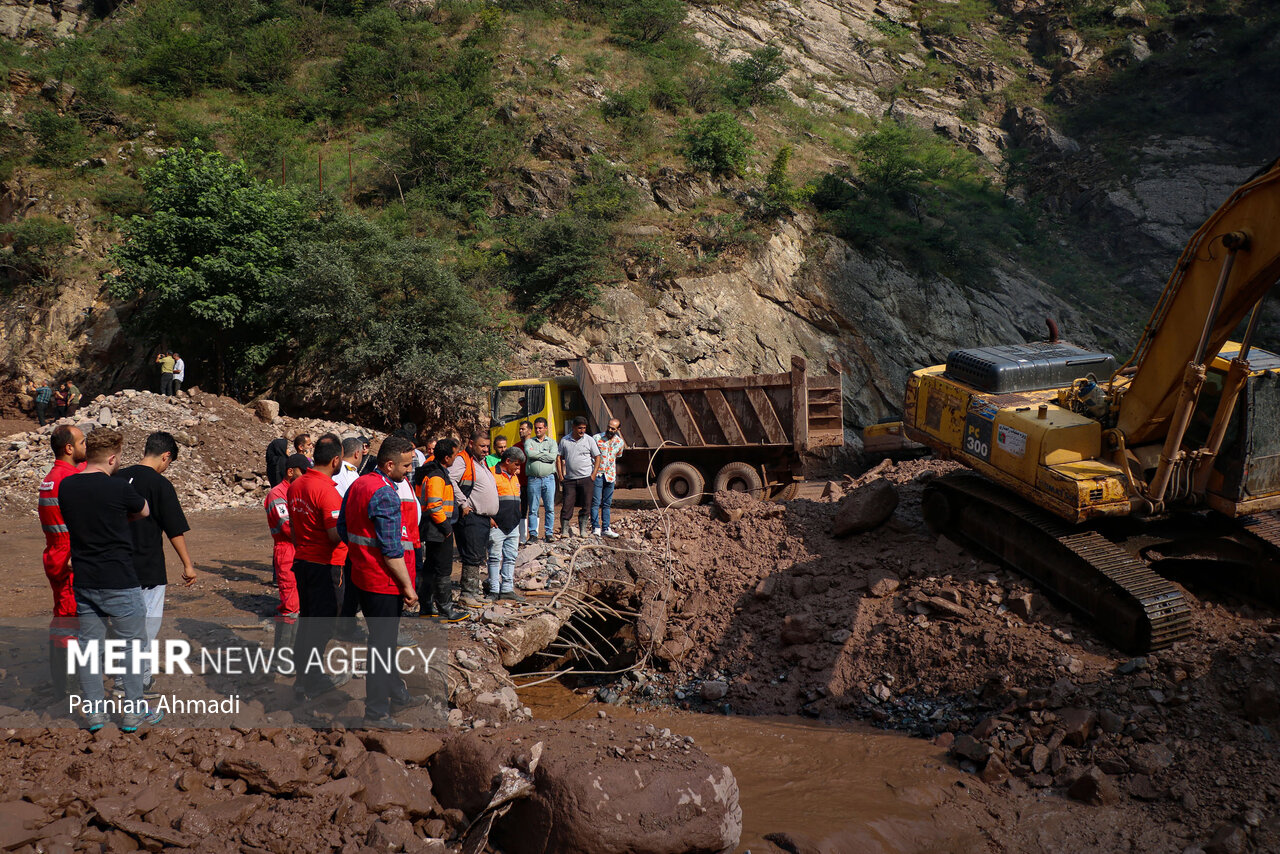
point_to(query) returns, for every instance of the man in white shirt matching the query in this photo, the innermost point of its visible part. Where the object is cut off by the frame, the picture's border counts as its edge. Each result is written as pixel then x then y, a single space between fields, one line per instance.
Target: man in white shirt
pixel 352 453
pixel 179 373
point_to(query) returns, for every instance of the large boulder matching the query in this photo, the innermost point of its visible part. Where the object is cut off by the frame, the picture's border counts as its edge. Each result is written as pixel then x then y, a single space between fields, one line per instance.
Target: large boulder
pixel 595 788
pixel 865 509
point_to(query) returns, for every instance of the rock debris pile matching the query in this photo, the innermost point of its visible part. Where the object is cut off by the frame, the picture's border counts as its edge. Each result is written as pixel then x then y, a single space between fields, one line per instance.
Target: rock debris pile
pixel 817 608
pixel 222 445
pixel 535 787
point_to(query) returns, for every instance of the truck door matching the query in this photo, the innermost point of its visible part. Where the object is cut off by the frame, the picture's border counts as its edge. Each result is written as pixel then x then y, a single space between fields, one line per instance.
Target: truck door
pixel 513 404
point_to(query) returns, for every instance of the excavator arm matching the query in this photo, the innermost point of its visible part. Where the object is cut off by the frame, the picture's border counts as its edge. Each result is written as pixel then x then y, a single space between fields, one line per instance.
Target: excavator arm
pixel 1224 273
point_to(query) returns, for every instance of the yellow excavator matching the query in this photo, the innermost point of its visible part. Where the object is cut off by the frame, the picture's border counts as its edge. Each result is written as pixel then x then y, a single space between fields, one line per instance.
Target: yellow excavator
pixel 1102 481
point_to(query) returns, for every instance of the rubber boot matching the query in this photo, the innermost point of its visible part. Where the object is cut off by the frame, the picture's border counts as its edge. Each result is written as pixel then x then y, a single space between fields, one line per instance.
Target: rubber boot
pixel 58 668
pixel 584 527
pixel 472 589
pixel 445 611
pixel 286 635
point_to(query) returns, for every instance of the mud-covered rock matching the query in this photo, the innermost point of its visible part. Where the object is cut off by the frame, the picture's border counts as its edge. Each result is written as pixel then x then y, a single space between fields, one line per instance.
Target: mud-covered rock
pixel 387 783
pixel 595 788
pixel 267 769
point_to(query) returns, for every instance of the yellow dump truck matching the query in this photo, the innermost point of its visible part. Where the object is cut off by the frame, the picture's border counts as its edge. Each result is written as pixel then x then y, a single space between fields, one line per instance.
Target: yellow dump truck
pixel 688 437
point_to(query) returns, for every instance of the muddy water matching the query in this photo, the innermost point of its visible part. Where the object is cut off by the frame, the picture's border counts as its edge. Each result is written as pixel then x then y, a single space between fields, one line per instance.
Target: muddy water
pixel 846 788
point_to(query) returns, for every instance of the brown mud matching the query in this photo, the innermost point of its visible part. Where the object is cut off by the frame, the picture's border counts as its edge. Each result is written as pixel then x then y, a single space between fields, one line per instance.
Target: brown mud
pixel 1036 736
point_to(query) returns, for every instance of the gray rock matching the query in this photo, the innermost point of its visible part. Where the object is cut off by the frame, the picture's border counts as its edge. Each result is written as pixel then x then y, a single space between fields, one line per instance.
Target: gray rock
pixel 714 690
pixel 865 509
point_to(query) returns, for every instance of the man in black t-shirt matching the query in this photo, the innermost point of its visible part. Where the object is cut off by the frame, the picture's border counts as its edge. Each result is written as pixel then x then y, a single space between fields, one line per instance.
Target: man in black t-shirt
pixel 167 519
pixel 97 509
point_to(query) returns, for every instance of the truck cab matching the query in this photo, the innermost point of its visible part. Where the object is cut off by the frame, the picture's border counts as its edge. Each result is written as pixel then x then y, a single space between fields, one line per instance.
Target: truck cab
pixel 557 399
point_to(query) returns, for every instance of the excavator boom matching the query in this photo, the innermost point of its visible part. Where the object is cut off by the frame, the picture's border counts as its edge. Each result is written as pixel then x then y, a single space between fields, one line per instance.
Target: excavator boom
pixel 1185 312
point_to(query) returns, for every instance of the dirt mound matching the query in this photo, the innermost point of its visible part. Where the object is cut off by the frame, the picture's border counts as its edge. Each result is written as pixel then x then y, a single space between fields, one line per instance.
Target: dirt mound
pixel 222 446
pixel 910 631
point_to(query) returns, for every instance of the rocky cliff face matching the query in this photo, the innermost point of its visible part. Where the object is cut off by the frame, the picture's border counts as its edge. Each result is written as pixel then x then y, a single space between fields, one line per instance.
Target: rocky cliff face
pixel 803 291
pixel 811 294
pixel 32 19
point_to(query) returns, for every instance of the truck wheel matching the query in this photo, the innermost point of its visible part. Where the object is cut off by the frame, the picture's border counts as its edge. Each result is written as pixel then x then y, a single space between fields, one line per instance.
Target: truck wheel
pixel 739 477
pixel 680 485
pixel 788 492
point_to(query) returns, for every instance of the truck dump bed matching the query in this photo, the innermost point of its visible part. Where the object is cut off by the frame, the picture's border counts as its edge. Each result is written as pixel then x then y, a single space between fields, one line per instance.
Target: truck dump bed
pixel 791 410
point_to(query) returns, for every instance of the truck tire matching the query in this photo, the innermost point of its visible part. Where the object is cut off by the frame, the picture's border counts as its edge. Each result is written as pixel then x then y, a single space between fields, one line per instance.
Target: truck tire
pixel 788 492
pixel 680 485
pixel 739 477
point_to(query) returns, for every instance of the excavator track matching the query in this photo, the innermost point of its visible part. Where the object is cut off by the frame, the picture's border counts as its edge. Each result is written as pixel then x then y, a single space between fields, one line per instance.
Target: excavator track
pixel 1128 604
pixel 1263 581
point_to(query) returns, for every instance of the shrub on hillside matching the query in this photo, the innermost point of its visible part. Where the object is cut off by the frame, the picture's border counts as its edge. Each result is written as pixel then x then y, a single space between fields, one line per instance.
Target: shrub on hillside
pixel 562 260
pixel 60 140
pixel 718 143
pixel 647 21
pixel 37 245
pixel 752 76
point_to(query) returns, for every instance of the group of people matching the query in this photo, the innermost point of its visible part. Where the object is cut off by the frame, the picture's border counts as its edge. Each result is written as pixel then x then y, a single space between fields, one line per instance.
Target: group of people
pixel 104 556
pixel 64 400
pixel 357 532
pixel 173 372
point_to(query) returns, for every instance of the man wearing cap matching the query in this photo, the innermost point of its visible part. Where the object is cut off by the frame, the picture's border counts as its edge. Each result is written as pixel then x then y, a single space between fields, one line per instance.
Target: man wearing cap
pixel 314 505
pixel 277 507
pixel 372 524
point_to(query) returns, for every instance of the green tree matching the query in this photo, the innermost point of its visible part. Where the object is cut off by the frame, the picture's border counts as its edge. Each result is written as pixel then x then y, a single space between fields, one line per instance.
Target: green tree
pixel 562 260
pixel 780 196
pixel 718 143
pixel 648 21
pixel 895 159
pixel 209 263
pixel 413 340
pixel 753 75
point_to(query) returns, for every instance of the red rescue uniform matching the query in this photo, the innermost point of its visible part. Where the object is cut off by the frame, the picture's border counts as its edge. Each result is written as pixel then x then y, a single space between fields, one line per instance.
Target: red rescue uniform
pixel 410 538
pixel 57 550
pixel 367 568
pixel 277 507
pixel 314 505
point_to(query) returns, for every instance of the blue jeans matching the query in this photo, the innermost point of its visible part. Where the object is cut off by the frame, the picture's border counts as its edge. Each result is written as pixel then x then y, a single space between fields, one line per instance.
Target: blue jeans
pixel 502 559
pixel 601 502
pixel 126 614
pixel 542 492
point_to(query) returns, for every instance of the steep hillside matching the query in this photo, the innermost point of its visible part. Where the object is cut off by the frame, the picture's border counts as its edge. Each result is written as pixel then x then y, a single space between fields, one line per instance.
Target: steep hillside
pixel 702 188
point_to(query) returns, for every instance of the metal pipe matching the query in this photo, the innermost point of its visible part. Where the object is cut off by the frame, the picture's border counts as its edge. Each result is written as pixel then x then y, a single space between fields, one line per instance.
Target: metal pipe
pixel 1193 379
pixel 1192 382
pixel 1237 375
pixel 1234 241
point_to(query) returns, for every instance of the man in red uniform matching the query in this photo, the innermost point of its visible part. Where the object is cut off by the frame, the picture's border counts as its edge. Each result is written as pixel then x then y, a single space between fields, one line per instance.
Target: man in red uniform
pixel 314 505
pixel 277 507
pixel 372 524
pixel 68 459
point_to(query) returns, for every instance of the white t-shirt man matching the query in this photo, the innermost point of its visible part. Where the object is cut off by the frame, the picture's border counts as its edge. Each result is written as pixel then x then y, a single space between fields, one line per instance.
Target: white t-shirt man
pixel 346 476
pixel 179 371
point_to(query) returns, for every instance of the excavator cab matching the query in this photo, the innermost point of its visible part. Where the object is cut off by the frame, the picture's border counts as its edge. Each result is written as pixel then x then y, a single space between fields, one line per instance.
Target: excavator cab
pixel 1247 469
